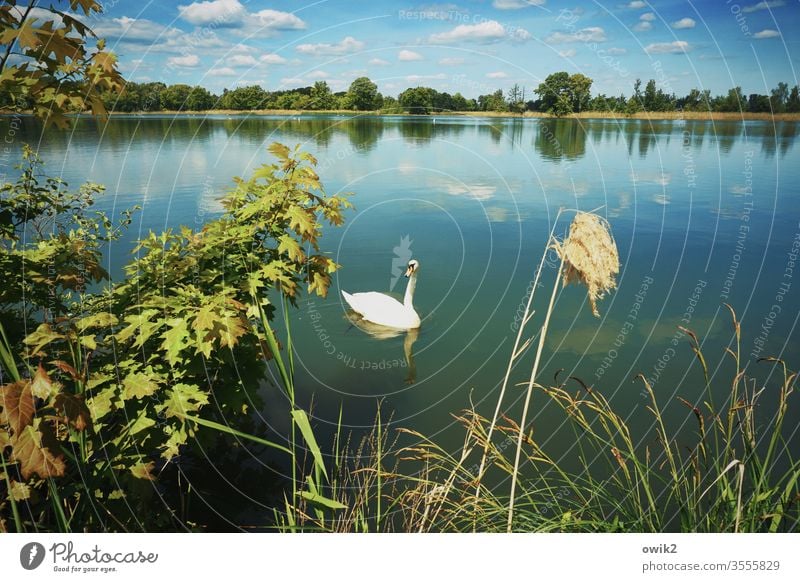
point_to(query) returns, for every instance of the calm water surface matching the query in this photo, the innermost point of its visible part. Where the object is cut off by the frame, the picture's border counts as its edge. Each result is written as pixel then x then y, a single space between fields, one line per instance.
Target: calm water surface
pixel 703 213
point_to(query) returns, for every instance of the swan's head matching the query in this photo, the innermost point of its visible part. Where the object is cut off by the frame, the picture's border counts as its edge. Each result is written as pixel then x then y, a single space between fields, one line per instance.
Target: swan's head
pixel 413 265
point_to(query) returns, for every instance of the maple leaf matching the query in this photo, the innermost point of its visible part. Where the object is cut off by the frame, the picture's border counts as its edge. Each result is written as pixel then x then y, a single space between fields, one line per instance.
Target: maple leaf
pixel 37 451
pixel 41 385
pixel 138 385
pixel 17 402
pixel 73 408
pixel 182 399
pixel 144 471
pixel 175 339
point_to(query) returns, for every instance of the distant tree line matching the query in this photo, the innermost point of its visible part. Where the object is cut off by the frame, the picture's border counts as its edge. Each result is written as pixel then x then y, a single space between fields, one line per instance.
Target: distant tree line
pixel 559 94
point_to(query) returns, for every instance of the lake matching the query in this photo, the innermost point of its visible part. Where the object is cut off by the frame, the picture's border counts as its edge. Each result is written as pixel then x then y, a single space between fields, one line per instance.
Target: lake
pixel 704 213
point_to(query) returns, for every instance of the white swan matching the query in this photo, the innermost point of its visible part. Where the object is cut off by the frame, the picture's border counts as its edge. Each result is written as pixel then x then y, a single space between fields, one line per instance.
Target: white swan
pixel 385 310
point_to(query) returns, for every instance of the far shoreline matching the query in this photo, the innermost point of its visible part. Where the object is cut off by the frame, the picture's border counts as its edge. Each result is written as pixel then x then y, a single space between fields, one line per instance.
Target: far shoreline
pixel 651 115
pixel 644 116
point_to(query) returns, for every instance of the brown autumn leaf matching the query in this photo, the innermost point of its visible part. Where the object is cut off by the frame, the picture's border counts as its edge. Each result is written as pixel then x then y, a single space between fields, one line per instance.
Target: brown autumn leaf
pixel 16 401
pixel 37 452
pixel 74 409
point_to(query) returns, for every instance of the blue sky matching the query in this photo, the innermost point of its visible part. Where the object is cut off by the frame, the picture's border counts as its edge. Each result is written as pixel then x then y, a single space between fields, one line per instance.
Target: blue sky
pixel 469 46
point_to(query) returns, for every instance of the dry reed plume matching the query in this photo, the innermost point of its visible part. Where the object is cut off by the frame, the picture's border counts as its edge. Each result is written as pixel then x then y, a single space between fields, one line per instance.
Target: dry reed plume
pixel 590 256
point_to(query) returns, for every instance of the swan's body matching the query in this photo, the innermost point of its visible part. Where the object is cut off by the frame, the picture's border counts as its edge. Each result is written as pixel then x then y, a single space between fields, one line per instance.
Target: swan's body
pixel 384 310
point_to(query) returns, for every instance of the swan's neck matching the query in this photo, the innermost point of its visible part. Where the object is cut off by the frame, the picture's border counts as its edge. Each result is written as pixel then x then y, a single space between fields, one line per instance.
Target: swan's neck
pixel 409 298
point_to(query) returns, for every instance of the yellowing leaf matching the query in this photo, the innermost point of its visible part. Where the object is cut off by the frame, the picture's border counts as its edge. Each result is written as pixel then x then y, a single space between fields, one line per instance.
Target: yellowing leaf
pixel 183 399
pixel 301 220
pixel 20 491
pixel 144 471
pixel 175 339
pixel 138 385
pixel 41 385
pixel 287 244
pixel 43 335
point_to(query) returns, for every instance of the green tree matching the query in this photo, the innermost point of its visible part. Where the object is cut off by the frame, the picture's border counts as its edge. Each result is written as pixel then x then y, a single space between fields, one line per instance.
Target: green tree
pixel 562 93
pixel 793 102
pixel 417 100
pixel 363 95
pixel 493 102
pixel 580 91
pixel 734 101
pixel 53 71
pixel 554 92
pixel 200 99
pixel 779 97
pixel 516 99
pixel 174 97
pixel 758 103
pixel 460 103
pixel 244 98
pixel 322 97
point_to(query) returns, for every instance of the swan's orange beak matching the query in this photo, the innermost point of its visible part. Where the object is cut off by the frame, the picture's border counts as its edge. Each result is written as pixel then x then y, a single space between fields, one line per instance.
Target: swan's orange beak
pixel 409 271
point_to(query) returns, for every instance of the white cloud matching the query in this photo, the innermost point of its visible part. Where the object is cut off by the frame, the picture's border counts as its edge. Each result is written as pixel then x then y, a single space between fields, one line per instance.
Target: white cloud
pixel 497 75
pixel 272 59
pixel 451 61
pixel 240 61
pixel 232 14
pixel 766 5
pixel 616 51
pixel 292 81
pixel 378 62
pixel 684 23
pixel 186 61
pixel 636 4
pixel 277 20
pixel 675 47
pixel 345 46
pixel 516 4
pixel 215 12
pixel 222 72
pixel 318 75
pixel 406 55
pixel 567 54
pixel 767 33
pixel 418 78
pixel 590 34
pixel 484 32
pixel 648 16
pixel 135 33
pixel 643 26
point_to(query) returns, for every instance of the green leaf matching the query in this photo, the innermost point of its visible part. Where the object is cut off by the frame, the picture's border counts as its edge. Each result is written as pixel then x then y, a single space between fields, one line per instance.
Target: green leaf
pixel 142 423
pixel 175 339
pixel 301 420
pixel 302 221
pixel 43 335
pixel 183 399
pixel 317 499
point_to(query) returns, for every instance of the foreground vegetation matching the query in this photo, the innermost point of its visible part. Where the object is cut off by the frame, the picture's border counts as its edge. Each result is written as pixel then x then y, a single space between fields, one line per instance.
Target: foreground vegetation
pixel 114 395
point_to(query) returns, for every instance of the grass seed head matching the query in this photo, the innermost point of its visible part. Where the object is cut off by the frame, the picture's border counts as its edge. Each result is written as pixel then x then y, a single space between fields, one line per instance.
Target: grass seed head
pixel 590 256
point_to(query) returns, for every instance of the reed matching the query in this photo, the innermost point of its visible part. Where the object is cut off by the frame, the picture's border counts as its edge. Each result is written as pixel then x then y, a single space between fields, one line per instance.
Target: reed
pixel 739 475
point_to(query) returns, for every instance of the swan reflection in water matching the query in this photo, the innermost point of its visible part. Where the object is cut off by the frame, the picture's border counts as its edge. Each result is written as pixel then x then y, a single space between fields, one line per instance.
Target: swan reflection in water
pixel 382 332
